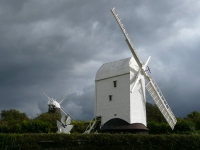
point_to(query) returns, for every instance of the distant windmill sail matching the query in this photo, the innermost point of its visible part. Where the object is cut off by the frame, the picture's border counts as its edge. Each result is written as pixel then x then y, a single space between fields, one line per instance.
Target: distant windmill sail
pixel 63 98
pixel 64 126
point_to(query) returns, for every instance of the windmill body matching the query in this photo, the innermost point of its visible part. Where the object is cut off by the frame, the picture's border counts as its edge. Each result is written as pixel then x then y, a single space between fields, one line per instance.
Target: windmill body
pixel 53 102
pixel 54 105
pixel 113 96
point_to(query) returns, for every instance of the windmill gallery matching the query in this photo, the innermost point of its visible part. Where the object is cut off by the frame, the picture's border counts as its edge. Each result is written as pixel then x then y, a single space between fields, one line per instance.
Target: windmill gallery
pixel 120 100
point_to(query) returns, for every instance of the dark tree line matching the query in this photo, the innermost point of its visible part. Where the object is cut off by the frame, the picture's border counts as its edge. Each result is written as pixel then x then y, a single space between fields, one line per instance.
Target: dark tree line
pixel 13 121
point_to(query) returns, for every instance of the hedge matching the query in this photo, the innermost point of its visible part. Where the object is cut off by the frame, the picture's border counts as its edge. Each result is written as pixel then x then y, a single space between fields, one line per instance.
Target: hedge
pixel 98 141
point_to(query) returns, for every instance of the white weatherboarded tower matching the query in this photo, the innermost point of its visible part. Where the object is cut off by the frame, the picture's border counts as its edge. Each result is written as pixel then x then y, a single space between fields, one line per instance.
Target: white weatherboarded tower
pixel 113 96
pixel 120 93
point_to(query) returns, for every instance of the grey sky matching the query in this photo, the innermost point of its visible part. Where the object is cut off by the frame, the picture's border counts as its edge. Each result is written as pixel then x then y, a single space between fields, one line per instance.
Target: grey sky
pixel 52 46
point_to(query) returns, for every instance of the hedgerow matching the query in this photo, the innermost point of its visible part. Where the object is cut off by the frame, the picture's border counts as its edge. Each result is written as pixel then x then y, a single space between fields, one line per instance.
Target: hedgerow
pixel 98 141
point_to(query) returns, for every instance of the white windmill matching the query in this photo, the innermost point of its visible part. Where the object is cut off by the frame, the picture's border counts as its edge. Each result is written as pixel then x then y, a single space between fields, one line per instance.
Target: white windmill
pixel 64 126
pixel 54 105
pixel 120 93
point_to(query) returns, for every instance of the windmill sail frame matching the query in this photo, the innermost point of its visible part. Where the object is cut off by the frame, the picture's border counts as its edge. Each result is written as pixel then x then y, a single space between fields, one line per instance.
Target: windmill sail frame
pixel 151 86
pixel 161 103
pixel 128 40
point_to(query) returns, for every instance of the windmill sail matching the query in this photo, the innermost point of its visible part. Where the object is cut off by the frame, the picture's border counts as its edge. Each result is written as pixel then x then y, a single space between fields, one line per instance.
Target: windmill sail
pixel 68 121
pixel 65 112
pixel 64 126
pixel 161 102
pixel 63 98
pixel 128 40
pixel 67 129
pixel 63 120
pixel 152 87
pixel 47 96
pixel 59 124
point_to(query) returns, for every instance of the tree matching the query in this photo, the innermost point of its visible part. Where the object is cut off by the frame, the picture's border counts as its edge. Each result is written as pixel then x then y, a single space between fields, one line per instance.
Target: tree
pixel 184 126
pixel 158 128
pixel 49 118
pixel 12 114
pixel 195 118
pixel 35 126
pixel 79 126
pixel 154 114
pixel 11 120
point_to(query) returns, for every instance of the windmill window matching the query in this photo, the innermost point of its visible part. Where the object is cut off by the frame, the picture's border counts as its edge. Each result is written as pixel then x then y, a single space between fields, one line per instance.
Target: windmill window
pixel 110 97
pixel 115 83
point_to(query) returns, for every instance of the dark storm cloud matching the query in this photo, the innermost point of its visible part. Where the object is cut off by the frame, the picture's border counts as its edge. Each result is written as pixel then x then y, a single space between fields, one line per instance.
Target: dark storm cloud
pixel 53 46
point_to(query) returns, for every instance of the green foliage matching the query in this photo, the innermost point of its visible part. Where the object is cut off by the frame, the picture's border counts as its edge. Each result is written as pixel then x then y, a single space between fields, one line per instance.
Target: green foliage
pixel 158 128
pixel 13 121
pixel 9 141
pixel 35 126
pixel 79 126
pixel 13 115
pixel 195 118
pixel 184 126
pixel 98 141
pixel 49 118
pixel 154 114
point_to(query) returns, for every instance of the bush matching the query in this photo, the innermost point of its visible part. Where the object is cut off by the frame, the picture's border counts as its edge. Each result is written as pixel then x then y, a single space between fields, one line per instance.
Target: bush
pixel 159 128
pixel 98 141
pixel 79 126
pixel 184 126
pixel 35 126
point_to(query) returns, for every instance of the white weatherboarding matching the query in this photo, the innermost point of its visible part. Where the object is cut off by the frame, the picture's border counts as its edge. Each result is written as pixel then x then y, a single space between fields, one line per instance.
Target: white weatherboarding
pixel 64 126
pixel 120 89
